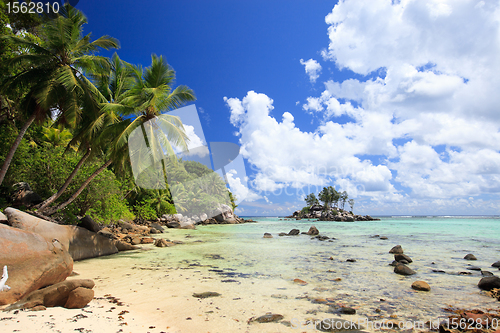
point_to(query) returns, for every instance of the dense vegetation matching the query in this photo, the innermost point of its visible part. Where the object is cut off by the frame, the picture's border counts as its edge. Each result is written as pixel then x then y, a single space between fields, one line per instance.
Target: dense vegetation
pixel 330 196
pixel 66 115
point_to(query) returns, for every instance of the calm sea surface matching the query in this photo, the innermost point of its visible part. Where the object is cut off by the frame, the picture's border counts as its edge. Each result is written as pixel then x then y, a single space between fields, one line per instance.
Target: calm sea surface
pixel 239 253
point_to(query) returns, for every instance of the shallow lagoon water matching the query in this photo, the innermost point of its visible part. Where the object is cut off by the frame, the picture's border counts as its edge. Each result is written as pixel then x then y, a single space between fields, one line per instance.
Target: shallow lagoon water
pixel 238 261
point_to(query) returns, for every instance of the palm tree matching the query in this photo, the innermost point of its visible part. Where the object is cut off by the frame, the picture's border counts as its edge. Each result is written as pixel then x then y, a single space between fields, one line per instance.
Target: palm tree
pixel 54 72
pixel 111 83
pixel 149 96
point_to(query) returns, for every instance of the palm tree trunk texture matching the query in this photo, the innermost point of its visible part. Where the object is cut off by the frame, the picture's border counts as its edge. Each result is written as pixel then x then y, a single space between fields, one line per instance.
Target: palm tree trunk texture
pixel 13 149
pixel 63 205
pixel 63 188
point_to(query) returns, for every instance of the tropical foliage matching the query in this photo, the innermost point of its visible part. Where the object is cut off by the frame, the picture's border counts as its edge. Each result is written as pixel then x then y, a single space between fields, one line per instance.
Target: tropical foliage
pixel 330 197
pixel 66 115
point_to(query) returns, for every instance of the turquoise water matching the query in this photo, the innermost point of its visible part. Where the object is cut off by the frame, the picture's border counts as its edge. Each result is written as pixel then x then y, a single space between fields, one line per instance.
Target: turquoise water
pixel 261 269
pixel 434 243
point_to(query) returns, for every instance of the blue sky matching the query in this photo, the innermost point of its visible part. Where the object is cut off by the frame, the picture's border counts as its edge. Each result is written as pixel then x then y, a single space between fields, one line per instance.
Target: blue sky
pixel 394 101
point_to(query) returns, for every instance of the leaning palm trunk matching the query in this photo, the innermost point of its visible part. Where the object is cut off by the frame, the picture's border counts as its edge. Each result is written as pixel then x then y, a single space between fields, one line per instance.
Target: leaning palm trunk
pixel 13 149
pixel 54 197
pixel 51 211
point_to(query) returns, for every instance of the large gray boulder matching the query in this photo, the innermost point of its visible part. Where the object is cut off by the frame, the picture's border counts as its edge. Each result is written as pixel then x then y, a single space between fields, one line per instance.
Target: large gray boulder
pixel 32 262
pixel 79 242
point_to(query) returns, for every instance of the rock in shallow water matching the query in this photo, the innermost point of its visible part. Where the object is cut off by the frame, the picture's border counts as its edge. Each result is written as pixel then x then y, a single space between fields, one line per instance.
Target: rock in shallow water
pixel 294 232
pixel 403 270
pixel 267 235
pixel 470 256
pixel 313 231
pixel 421 286
pixel 400 256
pixel 496 264
pixel 396 250
pixel 489 282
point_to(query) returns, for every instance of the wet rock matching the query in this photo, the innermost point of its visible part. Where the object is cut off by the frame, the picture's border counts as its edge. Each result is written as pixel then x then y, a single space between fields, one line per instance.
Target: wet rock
pixel 421 285
pixel 313 231
pixel 486 273
pixel 394 263
pixel 489 282
pixel 136 241
pixel 384 238
pixel 473 268
pixel 347 310
pixel 338 325
pixel 282 234
pixel 396 250
pixel 405 262
pixel 322 237
pixel 351 260
pixel 268 318
pixel 470 256
pixel 403 270
pixel 496 264
pixel 267 235
pixel 206 294
pixel 294 232
pixel 400 256
pixel 438 271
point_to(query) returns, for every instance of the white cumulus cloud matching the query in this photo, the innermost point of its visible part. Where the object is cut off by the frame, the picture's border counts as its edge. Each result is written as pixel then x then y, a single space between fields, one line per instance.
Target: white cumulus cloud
pixel 313 69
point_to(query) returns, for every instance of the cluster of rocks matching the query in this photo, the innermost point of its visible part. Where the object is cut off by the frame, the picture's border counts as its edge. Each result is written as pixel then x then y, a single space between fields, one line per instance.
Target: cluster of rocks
pixel 313 231
pixel 401 261
pixel 39 254
pixel 331 214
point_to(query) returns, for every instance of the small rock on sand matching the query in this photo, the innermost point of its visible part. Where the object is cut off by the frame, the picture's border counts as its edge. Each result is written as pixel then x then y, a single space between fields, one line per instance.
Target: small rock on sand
pixel 206 294
pixel 496 264
pixel 421 285
pixel 299 281
pixel 267 235
pixel 268 318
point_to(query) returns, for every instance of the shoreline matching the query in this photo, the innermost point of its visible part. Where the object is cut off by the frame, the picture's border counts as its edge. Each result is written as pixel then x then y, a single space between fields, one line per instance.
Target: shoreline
pixel 157 288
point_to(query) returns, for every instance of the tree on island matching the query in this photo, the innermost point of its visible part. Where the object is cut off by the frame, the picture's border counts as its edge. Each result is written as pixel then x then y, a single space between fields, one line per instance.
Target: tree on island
pixel 351 203
pixel 311 199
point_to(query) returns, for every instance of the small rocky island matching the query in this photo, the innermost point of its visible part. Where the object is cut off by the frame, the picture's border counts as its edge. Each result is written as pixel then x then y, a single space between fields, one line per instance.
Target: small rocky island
pixel 332 208
pixel 318 212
